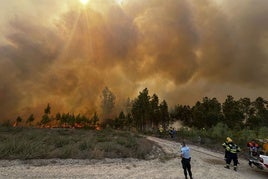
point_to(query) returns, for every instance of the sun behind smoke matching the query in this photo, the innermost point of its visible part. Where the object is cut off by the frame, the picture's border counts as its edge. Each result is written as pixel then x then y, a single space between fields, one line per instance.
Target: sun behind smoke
pixel 84 2
pixel 119 1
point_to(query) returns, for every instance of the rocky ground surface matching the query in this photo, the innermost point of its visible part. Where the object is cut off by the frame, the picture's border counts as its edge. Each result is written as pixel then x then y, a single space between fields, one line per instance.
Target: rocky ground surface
pixel 205 165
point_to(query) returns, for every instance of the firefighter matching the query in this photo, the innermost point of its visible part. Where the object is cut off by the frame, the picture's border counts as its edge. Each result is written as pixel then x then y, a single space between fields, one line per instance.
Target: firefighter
pixel 253 147
pixel 161 131
pixel 224 145
pixel 171 132
pixel 232 150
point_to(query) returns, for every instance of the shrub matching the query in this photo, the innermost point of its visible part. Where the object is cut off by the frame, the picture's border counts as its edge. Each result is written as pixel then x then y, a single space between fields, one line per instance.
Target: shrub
pixel 85 145
pixel 263 133
pixel 29 143
pixel 220 132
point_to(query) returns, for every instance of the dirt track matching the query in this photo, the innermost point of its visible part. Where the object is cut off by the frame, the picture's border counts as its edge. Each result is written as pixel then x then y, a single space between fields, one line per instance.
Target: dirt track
pixel 205 165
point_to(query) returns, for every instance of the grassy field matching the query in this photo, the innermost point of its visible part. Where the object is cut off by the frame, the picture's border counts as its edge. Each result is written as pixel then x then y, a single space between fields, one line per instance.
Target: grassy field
pixel 34 143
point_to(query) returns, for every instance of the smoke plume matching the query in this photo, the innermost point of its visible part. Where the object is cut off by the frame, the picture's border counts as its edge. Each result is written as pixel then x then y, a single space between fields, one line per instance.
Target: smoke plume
pixel 64 54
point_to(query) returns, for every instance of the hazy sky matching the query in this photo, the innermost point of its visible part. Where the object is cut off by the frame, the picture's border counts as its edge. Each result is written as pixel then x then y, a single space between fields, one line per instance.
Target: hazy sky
pixel 64 53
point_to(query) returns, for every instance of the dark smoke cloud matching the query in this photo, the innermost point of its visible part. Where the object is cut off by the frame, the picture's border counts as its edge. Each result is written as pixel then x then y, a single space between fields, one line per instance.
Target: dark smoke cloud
pixel 231 42
pixel 179 49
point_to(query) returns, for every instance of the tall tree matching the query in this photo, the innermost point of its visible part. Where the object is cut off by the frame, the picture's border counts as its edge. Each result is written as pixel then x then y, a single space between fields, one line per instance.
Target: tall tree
pixel 183 113
pixel 141 109
pixel 233 116
pixel 249 111
pixel 207 113
pixel 261 113
pixel 46 118
pixel 18 120
pixel 154 111
pixel 30 119
pixel 198 115
pixel 245 106
pixel 107 103
pixel 128 106
pixel 120 121
pixel 164 113
pixel 213 111
pixel 47 109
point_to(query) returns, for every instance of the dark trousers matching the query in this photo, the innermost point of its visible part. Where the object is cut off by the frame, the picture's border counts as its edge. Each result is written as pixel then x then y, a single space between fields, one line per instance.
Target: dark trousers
pixel 232 157
pixel 186 165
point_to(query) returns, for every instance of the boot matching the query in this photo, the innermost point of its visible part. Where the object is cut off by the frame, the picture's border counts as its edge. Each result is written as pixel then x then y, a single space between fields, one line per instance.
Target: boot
pixel 227 166
pixel 235 168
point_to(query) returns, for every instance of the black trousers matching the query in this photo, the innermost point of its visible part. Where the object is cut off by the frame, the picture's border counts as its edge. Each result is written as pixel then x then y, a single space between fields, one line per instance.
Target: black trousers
pixel 232 157
pixel 186 165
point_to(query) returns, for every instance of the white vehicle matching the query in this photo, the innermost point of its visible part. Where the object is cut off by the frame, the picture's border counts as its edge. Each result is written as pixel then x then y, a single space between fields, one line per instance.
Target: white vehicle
pixel 261 161
pixel 263 164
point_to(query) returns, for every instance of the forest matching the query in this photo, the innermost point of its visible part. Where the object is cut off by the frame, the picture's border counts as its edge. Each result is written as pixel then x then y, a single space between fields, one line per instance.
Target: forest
pixel 243 118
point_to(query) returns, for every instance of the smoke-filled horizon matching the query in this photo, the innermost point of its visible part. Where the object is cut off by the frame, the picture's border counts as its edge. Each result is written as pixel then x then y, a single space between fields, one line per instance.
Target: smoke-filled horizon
pixel 64 53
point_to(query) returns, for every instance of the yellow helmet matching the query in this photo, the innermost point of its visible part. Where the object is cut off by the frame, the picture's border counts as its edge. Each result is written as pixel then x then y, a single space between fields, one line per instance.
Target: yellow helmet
pixel 228 139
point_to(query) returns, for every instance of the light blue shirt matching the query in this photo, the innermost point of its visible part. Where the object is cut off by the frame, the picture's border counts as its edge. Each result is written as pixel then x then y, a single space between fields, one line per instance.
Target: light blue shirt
pixel 185 152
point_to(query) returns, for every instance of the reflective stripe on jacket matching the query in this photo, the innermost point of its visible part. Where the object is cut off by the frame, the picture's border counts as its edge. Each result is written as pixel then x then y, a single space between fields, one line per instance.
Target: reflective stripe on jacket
pixel 233 148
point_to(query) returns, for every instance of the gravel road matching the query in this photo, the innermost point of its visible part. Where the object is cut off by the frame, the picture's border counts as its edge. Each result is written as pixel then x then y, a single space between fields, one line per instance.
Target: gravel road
pixel 205 165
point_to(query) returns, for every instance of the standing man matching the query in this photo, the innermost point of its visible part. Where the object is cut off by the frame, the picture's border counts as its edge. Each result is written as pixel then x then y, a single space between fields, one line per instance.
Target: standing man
pixel 254 152
pixel 224 145
pixel 171 132
pixel 161 131
pixel 232 150
pixel 185 160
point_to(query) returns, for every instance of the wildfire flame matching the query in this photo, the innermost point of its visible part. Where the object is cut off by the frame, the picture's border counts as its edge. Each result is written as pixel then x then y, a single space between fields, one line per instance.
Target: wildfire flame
pixel 98 128
pixel 15 124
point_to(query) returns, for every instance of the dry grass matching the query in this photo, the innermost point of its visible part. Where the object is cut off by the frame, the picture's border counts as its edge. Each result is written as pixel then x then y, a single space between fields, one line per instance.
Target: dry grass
pixel 33 143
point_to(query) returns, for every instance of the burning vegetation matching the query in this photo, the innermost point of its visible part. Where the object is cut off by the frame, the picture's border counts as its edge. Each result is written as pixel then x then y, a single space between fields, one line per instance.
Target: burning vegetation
pixel 145 114
pixel 64 120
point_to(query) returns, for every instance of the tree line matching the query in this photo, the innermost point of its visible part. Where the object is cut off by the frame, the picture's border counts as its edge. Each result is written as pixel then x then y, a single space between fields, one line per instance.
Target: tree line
pixel 236 114
pixel 147 112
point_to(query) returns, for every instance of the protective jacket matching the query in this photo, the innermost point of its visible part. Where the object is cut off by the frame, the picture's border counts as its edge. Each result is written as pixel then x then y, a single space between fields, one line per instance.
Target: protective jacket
pixel 253 148
pixel 253 145
pixel 232 148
